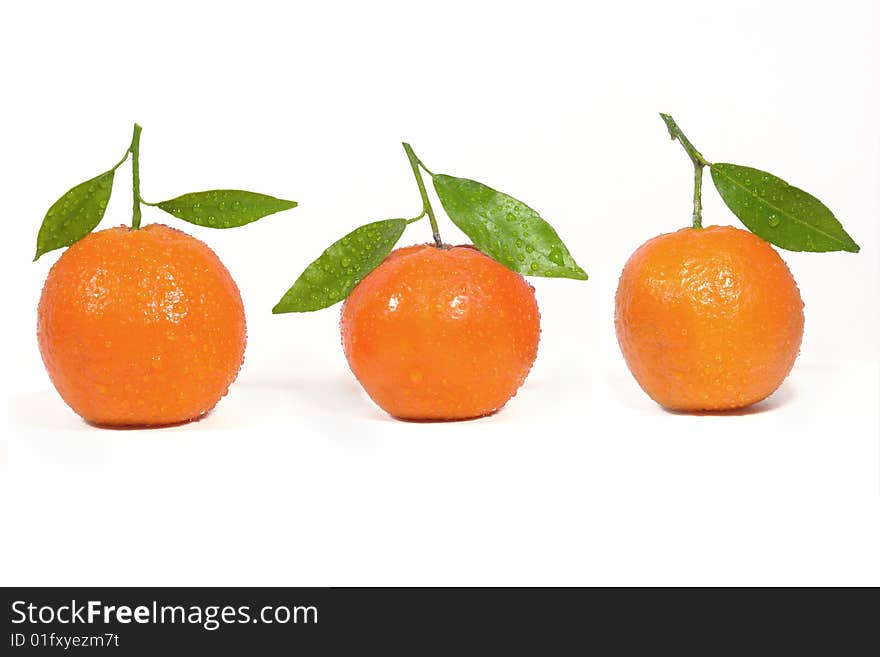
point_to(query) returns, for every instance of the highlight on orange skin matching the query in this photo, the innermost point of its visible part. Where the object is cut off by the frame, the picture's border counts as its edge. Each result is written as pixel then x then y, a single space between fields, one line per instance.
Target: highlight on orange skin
pixel 708 319
pixel 141 327
pixel 441 334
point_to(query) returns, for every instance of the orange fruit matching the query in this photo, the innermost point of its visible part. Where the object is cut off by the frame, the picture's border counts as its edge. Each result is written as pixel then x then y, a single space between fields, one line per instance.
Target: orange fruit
pixel 708 319
pixel 141 327
pixel 441 334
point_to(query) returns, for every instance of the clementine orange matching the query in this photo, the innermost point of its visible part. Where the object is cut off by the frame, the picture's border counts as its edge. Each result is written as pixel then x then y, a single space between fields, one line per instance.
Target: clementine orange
pixel 708 318
pixel 441 333
pixel 141 327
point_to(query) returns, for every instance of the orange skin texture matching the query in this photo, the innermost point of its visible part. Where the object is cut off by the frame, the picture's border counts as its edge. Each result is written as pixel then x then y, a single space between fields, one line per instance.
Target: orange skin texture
pixel 708 319
pixel 141 327
pixel 441 334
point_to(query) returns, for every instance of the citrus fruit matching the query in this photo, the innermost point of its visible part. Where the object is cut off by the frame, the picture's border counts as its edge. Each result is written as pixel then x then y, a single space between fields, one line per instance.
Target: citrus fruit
pixel 708 318
pixel 441 333
pixel 141 327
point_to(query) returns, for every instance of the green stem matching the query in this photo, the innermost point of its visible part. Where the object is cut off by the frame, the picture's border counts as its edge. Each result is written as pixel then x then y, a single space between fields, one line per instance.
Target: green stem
pixel 415 219
pixel 122 161
pixel 699 162
pixel 134 149
pixel 426 203
pixel 698 201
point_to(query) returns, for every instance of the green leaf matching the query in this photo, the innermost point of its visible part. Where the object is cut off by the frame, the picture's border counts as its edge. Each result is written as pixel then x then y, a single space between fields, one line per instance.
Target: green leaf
pixel 75 215
pixel 344 264
pixel 224 208
pixel 782 214
pixel 506 229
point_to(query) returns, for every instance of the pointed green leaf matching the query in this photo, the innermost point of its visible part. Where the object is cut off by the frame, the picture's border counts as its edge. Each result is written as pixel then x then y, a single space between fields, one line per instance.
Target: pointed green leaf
pixel 344 264
pixel 224 208
pixel 75 215
pixel 506 229
pixel 782 214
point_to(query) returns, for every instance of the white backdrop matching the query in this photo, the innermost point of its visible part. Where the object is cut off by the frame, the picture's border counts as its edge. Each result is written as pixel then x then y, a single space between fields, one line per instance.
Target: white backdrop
pixel 296 478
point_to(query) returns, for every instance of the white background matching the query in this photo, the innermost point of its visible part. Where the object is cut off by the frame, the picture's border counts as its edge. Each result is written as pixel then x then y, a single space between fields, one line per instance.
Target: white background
pixel 297 478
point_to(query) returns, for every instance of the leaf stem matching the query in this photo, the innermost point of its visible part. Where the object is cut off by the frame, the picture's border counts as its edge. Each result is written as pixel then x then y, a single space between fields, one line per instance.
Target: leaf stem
pixel 699 162
pixel 415 162
pixel 415 219
pixel 134 149
pixel 122 161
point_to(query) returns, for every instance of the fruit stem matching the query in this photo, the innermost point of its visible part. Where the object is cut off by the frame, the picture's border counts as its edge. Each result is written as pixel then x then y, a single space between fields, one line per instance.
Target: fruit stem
pixel 134 149
pixel 698 201
pixel 699 162
pixel 415 162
